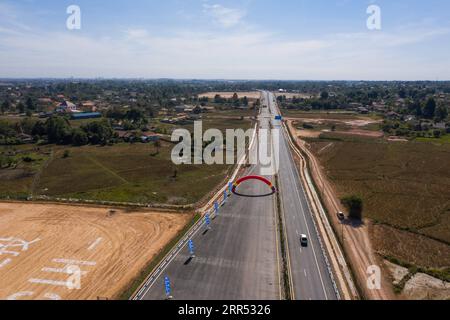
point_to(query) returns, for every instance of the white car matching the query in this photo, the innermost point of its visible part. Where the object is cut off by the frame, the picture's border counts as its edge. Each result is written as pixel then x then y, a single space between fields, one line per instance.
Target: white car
pixel 304 240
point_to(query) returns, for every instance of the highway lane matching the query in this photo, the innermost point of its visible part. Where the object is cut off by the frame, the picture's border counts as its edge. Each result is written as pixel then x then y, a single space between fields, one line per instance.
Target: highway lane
pixel 310 276
pixel 237 259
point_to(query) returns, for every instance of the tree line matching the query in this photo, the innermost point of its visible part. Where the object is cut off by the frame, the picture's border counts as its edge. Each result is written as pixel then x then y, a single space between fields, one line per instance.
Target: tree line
pixel 57 130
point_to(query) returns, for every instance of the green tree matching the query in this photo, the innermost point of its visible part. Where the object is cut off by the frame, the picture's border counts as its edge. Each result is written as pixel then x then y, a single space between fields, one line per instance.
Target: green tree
pixel 324 95
pixel 79 137
pixel 197 110
pixel 27 125
pixel 354 204
pixel 441 113
pixel 437 134
pixel 245 101
pixel 58 130
pixel 5 106
pixel 429 108
pixel 99 132
pixel 21 107
pixel 30 104
pixel 39 129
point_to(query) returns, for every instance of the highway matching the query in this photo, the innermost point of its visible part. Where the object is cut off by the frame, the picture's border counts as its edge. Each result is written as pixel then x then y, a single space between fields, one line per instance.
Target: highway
pixel 310 277
pixel 237 259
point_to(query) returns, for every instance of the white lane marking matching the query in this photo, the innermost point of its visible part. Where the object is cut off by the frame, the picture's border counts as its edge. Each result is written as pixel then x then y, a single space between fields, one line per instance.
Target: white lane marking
pixel 95 244
pixel 304 217
pixel 306 276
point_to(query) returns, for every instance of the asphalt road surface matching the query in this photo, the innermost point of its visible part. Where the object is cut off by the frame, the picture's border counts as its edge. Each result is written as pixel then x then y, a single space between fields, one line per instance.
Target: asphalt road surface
pixel 310 276
pixel 237 259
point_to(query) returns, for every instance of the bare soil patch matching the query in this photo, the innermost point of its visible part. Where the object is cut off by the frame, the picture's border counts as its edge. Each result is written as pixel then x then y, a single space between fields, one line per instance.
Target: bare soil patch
pixel 39 243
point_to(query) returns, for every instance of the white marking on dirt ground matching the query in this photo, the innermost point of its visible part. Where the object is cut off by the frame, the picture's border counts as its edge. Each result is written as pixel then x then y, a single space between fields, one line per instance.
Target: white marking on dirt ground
pixel 95 244
pixel 18 295
pixel 52 296
pixel 49 282
pixel 77 262
pixel 71 268
pixel 16 243
pixel 65 270
pixel 5 262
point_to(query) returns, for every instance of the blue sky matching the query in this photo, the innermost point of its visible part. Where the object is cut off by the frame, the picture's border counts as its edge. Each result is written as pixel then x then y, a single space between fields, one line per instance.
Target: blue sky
pixel 212 39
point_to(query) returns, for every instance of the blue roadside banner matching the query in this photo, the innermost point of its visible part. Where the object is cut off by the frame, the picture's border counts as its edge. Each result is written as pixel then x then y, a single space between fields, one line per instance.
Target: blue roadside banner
pixel 167 286
pixel 191 247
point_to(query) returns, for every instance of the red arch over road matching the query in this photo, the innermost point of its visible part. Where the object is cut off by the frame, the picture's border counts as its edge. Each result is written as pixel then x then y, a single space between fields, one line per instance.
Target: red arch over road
pixel 247 178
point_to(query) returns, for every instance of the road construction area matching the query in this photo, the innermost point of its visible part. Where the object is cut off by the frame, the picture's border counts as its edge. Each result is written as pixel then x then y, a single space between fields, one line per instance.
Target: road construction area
pixel 51 251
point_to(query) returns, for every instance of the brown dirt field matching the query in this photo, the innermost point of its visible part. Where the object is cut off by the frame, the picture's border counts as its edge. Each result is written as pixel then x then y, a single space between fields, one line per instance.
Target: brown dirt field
pixel 306 133
pixel 362 133
pixel 111 249
pixel 406 246
pixel 354 127
pixel 227 95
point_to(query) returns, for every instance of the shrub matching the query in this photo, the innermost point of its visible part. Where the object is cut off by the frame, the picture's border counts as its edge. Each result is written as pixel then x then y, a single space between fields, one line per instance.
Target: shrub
pixel 354 205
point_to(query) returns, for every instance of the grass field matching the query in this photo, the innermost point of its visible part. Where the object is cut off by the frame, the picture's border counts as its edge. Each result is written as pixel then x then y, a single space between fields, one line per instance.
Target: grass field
pixel 127 173
pixel 25 161
pixel 443 139
pixel 230 113
pixel 403 185
pixel 121 173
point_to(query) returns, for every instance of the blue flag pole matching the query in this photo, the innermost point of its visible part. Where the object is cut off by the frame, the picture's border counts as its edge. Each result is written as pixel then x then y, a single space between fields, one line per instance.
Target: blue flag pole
pixel 168 288
pixel 208 221
pixel 216 208
pixel 191 248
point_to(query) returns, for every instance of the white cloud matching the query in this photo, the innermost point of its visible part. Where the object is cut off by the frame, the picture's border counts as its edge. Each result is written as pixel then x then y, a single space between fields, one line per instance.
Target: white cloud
pixel 245 53
pixel 226 17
